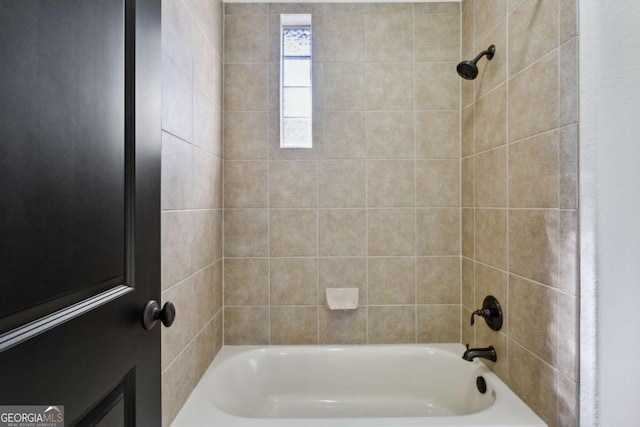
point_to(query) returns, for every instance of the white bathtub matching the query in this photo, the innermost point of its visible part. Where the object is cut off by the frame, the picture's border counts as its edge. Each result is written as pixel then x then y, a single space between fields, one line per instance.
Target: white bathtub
pixel 381 385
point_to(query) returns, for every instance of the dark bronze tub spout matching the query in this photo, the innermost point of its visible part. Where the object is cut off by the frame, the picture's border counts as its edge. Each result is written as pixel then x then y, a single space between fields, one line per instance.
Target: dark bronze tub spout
pixel 488 353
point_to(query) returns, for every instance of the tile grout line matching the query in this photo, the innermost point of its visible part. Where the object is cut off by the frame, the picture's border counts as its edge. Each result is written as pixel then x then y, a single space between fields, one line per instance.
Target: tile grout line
pixel 317 257
pixel 223 142
pixel 415 187
pixel 508 189
pixel 191 251
pixel 557 273
pixel 460 231
pixel 269 158
pixel 366 172
pixel 475 157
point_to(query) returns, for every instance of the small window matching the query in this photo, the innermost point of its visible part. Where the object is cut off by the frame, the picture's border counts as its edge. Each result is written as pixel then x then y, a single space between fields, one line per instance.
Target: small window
pixel 295 81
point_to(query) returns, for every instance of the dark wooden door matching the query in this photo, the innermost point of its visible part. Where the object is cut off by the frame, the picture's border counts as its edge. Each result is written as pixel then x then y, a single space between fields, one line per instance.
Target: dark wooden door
pixel 80 207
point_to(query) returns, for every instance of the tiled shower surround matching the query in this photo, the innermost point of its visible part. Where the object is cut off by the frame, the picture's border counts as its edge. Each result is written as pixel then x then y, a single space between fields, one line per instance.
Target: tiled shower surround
pixel 425 191
pixel 191 194
pixel 375 204
pixel 519 195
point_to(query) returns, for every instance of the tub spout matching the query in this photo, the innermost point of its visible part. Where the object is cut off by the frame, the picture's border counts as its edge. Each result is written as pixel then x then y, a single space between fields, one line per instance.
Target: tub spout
pixel 488 353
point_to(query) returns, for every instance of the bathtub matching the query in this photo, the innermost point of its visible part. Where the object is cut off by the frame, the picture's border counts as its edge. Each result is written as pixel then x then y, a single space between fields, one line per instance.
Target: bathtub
pixel 350 386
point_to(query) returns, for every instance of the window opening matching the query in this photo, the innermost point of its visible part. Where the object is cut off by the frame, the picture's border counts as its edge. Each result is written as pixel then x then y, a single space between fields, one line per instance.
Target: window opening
pixel 296 124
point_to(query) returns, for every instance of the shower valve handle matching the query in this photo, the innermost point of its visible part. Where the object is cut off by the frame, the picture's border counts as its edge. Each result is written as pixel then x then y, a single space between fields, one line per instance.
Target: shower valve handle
pixel 482 313
pixel 490 312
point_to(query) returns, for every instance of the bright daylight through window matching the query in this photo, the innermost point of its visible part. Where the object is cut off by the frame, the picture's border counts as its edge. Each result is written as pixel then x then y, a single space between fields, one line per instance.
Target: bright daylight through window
pixel 295 81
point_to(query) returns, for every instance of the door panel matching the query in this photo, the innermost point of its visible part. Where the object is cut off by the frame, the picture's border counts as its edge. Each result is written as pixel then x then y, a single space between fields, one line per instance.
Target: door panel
pixel 63 113
pixel 80 207
pixel 117 408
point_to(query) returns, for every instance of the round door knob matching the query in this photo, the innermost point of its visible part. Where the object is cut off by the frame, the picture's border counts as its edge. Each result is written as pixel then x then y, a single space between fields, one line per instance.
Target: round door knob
pixel 152 313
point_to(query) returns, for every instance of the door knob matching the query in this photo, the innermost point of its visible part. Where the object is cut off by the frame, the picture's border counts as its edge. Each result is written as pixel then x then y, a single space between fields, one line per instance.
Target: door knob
pixel 152 313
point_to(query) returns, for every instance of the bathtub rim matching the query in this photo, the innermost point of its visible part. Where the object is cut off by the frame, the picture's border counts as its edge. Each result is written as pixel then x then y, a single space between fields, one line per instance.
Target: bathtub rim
pixel 507 410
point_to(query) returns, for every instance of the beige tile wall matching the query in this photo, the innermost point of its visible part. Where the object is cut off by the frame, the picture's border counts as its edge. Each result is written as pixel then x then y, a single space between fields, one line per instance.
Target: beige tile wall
pixel 374 205
pixel 519 195
pixel 191 193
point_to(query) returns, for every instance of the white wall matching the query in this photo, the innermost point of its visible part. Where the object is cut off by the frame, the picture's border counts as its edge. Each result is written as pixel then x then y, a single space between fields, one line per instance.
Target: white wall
pixel 610 210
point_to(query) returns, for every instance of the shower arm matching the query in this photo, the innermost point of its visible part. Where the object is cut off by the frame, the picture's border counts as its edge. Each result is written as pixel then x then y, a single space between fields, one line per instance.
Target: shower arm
pixel 489 52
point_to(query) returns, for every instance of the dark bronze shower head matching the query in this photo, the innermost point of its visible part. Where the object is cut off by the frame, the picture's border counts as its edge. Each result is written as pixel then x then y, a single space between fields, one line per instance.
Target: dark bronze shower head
pixel 468 69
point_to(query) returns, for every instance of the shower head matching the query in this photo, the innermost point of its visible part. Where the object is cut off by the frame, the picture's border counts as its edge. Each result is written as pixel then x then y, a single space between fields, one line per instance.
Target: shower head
pixel 468 69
